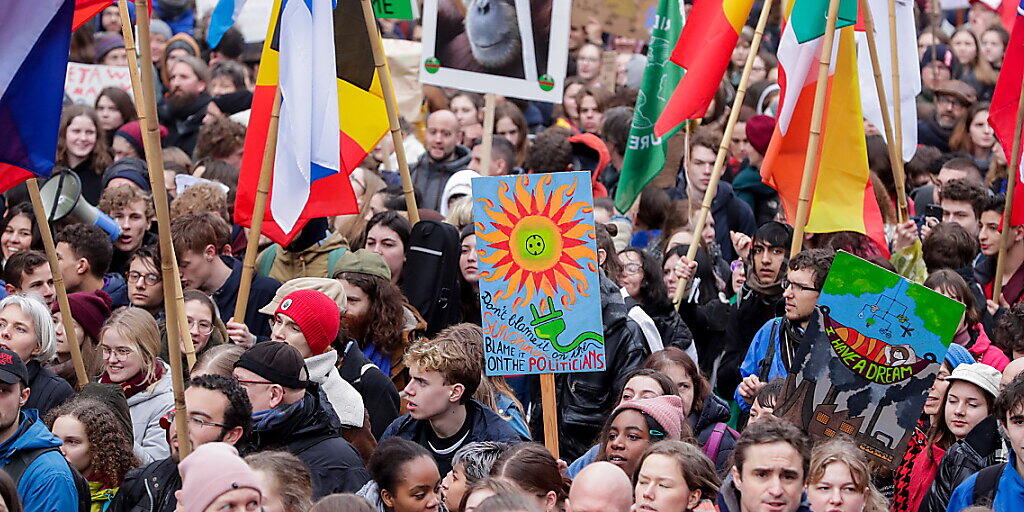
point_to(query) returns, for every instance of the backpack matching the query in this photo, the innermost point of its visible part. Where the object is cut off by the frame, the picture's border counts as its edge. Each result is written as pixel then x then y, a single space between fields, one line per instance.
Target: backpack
pixel 23 459
pixel 430 277
pixel 266 260
pixel 711 447
pixel 984 493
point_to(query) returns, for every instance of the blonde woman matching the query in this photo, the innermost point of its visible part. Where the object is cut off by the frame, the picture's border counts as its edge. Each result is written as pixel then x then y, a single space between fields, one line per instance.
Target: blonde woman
pixel 840 480
pixel 129 344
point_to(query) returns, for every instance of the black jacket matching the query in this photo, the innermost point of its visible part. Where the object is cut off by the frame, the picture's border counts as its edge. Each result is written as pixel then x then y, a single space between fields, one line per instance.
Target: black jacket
pixel 752 310
pixel 183 123
pixel 261 293
pixel 965 458
pixel 674 331
pixel 429 177
pixel 379 394
pixel 585 399
pixel 929 133
pixel 48 390
pixel 729 211
pixel 311 431
pixel 149 488
pixel 703 423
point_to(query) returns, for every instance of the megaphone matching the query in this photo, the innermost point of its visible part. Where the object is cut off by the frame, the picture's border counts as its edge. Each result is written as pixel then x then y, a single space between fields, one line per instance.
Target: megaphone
pixel 62 197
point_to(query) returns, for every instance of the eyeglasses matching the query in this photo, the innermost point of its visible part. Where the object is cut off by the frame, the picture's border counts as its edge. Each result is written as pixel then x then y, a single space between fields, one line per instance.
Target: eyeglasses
pixel 121 353
pixel 202 326
pixel 168 419
pixel 786 283
pixel 151 279
pixel 631 268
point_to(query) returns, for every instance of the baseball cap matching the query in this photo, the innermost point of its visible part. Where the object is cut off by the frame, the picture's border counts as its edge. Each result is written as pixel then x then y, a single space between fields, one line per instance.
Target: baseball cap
pixel 980 374
pixel 329 287
pixel 279 363
pixel 363 262
pixel 12 369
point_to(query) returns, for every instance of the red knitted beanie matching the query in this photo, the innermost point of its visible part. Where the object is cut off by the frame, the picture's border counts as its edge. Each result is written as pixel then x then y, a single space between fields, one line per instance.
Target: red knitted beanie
pixel 316 314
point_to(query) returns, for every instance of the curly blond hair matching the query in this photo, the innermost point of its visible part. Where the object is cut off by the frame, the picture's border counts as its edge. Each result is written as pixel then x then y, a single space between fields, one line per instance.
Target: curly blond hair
pixel 456 353
pixel 122 196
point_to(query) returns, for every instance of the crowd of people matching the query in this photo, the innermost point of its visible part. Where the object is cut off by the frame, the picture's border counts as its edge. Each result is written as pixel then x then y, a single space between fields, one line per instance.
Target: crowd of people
pixel 355 380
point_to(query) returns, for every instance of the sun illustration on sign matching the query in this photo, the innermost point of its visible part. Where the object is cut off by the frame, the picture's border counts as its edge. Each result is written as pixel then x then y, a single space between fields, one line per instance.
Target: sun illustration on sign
pixel 539 244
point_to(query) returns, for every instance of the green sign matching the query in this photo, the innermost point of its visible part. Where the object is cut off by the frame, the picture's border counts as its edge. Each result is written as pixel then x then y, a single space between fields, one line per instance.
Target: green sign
pixel 393 9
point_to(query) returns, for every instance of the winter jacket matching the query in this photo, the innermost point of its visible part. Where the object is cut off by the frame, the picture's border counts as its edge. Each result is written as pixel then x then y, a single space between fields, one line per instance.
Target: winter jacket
pixel 260 294
pixel 590 153
pixel 345 400
pixel 1009 491
pixel 117 287
pixel 429 177
pixel 968 455
pixel 984 351
pixel 703 423
pixel 674 331
pixel 48 390
pixel 749 314
pixel 510 412
pixel 487 426
pixel 769 333
pixel 929 133
pixel 763 200
pixel 146 408
pixel 646 323
pixel 317 260
pixel 380 397
pixel 729 211
pixel 311 431
pixel 149 488
pixel 583 461
pixel 585 399
pixel 183 123
pixel 47 485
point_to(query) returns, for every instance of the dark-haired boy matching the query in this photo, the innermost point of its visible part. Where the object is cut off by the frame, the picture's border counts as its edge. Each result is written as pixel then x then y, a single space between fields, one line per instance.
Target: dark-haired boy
pixel 29 271
pixel 772 459
pixel 84 253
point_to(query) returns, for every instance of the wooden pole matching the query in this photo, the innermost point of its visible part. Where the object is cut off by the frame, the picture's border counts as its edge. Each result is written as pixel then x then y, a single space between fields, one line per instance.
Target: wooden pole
pixel 550 409
pixel 1011 181
pixel 807 180
pixel 895 145
pixel 380 61
pixel 133 75
pixel 259 210
pixel 58 282
pixel 485 154
pixel 896 139
pixel 723 147
pixel 168 264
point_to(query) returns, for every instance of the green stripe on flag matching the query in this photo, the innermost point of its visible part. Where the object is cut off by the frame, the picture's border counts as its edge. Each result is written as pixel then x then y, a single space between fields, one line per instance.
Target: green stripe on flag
pixel 645 153
pixel 808 17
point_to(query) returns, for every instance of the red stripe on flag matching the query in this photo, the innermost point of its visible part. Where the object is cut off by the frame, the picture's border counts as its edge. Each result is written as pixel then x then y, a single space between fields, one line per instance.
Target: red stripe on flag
pixel 11 176
pixel 1003 113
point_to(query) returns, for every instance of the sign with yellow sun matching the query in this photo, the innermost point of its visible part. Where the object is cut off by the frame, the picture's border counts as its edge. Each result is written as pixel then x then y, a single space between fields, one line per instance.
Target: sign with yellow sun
pixel 538 269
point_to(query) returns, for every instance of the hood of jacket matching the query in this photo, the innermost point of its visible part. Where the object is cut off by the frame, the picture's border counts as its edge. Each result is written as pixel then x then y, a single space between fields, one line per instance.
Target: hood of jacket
pixel 715 411
pixel 309 417
pixel 459 183
pixel 346 401
pixel 371 492
pixel 590 153
pixel 31 434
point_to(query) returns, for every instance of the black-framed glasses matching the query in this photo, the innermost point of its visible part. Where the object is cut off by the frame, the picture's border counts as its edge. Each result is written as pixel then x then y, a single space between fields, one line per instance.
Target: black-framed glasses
pixel 168 419
pixel 786 283
pixel 151 279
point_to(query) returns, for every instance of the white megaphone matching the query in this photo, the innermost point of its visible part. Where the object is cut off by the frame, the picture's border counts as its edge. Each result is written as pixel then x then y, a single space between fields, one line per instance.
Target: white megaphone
pixel 62 197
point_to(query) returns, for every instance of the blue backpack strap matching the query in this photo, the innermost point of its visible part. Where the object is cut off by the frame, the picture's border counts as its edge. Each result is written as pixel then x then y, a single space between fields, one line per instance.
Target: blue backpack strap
pixel 266 260
pixel 332 260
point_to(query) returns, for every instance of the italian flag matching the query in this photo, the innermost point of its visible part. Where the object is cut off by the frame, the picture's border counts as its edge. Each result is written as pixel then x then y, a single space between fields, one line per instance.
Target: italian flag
pixel 843 198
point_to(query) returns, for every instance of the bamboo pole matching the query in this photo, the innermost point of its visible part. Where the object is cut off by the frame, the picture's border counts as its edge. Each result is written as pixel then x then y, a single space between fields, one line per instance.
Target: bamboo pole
pixel 168 263
pixel 807 180
pixel 58 282
pixel 723 147
pixel 896 138
pixel 381 63
pixel 895 146
pixel 485 154
pixel 1011 181
pixel 259 210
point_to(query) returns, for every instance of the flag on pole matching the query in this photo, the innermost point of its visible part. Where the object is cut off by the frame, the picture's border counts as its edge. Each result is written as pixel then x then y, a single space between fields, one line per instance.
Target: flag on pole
pixel 909 68
pixel 33 62
pixel 332 114
pixel 224 15
pixel 843 198
pixel 702 48
pixel 86 9
pixel 645 152
pixel 1002 115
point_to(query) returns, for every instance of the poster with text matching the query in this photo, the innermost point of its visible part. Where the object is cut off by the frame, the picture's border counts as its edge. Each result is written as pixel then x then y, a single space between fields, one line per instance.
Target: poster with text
pixel 515 48
pixel 868 357
pixel 84 82
pixel 537 257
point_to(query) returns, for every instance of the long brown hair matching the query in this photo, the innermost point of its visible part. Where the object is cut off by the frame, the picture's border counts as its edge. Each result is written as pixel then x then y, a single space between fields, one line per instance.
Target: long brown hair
pixel 534 469
pixel 674 356
pixel 386 313
pixel 960 140
pixel 111 454
pixel 100 157
pixel 511 111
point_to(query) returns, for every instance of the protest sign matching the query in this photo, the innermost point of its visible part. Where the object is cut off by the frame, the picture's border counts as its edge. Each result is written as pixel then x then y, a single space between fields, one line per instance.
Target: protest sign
pixel 538 269
pixel 84 82
pixel 394 9
pixel 869 356
pixel 515 48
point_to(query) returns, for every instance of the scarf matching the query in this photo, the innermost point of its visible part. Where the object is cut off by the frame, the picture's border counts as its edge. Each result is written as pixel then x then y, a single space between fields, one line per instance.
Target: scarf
pixel 772 289
pixel 138 383
pixel 790 339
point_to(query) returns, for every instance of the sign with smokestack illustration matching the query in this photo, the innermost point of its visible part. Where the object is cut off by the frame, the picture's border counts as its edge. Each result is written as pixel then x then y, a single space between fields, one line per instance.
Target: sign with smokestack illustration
pixel 868 358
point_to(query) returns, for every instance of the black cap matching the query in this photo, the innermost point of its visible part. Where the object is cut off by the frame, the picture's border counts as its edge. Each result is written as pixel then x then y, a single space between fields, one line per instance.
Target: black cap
pixel 278 362
pixel 12 369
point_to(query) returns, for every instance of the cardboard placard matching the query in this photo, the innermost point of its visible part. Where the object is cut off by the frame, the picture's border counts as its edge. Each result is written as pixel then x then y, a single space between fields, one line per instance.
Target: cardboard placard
pixel 84 82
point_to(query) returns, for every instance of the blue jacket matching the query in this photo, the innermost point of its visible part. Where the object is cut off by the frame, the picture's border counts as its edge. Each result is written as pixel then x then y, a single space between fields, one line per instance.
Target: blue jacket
pixel 48 484
pixel 768 333
pixel 1009 490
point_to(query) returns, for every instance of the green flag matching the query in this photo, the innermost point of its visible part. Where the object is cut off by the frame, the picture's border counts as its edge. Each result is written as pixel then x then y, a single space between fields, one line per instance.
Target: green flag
pixel 809 16
pixel 645 153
